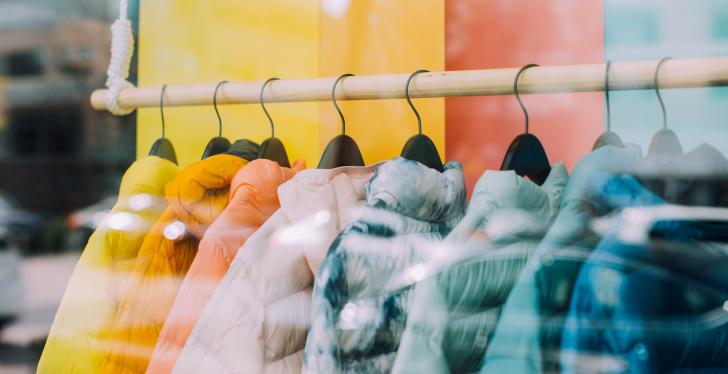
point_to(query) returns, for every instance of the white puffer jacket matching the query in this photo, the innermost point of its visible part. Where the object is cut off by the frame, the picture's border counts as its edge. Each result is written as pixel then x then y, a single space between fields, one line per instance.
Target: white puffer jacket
pixel 258 317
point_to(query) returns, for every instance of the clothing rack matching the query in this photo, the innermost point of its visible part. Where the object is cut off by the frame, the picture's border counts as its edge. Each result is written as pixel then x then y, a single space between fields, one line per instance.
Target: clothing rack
pixel 636 75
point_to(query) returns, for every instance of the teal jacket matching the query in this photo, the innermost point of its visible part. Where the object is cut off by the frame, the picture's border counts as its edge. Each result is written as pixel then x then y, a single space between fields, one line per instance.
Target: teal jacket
pixel 454 312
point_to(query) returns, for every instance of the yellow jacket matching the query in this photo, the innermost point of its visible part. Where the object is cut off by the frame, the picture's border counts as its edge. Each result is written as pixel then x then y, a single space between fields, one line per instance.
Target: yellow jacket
pixel 77 340
pixel 196 197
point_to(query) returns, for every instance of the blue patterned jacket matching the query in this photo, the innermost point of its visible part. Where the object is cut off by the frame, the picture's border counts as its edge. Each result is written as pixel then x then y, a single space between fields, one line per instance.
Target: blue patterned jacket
pixel 356 324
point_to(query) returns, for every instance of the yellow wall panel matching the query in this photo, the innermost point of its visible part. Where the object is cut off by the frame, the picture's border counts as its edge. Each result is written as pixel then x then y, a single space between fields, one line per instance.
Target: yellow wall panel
pixel 380 37
pixel 196 41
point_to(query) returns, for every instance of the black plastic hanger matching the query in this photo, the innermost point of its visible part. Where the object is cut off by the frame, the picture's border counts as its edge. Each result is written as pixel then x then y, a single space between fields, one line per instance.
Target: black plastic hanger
pixel 341 150
pixel 420 148
pixel 664 141
pixel 216 145
pixel 608 137
pixel 162 147
pixel 272 148
pixel 526 155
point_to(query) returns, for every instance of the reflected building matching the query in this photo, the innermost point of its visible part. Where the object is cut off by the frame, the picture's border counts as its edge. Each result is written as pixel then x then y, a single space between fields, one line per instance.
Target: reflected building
pixel 58 153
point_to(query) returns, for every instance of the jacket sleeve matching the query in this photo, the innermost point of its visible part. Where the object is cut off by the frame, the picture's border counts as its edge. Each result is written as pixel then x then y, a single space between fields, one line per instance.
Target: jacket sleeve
pixel 198 285
pixel 321 353
pixel 454 313
pixel 147 300
pixel 515 345
pixel 246 325
pixel 421 348
pixel 355 326
pixel 75 342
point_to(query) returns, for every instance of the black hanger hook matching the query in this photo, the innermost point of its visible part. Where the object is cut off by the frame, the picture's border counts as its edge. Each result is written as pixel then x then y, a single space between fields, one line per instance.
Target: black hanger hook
pixel 657 91
pixel 607 69
pixel 214 105
pixel 161 109
pixel 262 105
pixel 333 99
pixel 409 100
pixel 518 96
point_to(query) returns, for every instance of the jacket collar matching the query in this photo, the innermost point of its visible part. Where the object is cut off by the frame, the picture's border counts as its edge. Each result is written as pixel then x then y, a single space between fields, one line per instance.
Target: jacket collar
pixel 200 192
pixel 415 191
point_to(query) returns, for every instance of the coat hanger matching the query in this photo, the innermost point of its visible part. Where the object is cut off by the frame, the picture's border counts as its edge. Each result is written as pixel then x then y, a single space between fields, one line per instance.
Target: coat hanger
pixel 217 144
pixel 526 155
pixel 341 150
pixel 272 148
pixel 608 137
pixel 664 141
pixel 420 148
pixel 162 147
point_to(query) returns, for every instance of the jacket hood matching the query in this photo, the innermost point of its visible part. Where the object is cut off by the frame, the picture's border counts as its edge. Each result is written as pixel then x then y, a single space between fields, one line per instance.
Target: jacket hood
pixel 201 191
pixel 318 204
pixel 505 203
pixel 416 191
pixel 253 191
pixel 263 176
pixel 143 176
pixel 334 190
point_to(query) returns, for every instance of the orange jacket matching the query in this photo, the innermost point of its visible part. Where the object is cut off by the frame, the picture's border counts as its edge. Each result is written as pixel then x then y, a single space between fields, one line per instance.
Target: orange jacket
pixel 253 199
pixel 196 197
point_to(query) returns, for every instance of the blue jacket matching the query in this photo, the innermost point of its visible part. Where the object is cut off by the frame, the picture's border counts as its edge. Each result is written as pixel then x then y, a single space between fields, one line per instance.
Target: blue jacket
pixel 651 309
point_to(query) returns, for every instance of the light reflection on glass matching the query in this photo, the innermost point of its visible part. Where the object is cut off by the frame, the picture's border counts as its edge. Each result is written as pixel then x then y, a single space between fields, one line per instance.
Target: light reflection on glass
pixel 307 231
pixel 335 8
pixel 98 218
pixel 355 316
pixel 140 201
pixel 122 221
pixel 174 230
pixel 417 273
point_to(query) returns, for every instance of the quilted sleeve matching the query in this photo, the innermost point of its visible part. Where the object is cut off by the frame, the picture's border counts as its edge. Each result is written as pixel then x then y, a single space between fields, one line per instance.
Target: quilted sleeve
pixel 257 316
pixel 147 300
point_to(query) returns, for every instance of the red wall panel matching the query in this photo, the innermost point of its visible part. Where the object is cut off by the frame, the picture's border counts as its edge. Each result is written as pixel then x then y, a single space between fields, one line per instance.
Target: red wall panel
pixel 507 33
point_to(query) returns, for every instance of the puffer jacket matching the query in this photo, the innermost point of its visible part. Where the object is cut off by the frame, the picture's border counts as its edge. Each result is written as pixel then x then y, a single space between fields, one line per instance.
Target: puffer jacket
pixel 652 308
pixel 527 338
pixel 454 313
pixel 77 341
pixel 196 197
pixel 257 318
pixel 357 321
pixel 253 199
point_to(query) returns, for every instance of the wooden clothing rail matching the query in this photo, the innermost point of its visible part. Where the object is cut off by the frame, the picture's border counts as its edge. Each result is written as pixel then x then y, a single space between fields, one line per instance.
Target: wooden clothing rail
pixel 674 73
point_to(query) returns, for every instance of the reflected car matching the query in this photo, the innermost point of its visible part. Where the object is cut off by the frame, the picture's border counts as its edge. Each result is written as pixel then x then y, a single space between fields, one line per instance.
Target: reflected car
pixel 20 226
pixel 11 290
pixel 82 223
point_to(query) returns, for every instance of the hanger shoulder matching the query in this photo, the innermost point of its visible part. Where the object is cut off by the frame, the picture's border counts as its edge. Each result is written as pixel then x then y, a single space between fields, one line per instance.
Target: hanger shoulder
pixel 163 148
pixel 216 146
pixel 527 157
pixel 608 138
pixel 244 148
pixel 422 149
pixel 341 151
pixel 665 141
pixel 274 150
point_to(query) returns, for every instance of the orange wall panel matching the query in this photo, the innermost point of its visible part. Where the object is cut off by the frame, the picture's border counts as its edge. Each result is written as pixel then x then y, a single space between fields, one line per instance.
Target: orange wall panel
pixel 484 34
pixel 382 37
